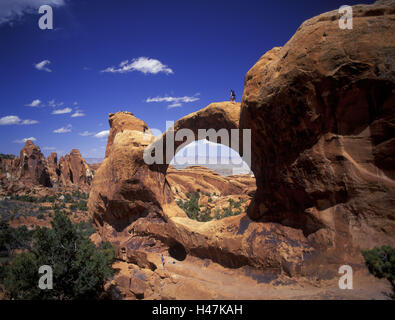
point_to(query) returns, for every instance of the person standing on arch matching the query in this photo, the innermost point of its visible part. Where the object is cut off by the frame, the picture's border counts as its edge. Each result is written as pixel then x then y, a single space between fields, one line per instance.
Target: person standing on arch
pixel 232 95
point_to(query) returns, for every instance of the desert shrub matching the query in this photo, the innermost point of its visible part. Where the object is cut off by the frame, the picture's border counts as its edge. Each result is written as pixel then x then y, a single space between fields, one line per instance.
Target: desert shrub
pixel 205 215
pixel 58 206
pixel 227 212
pixel 79 267
pixel 80 195
pixel 237 204
pixel 25 198
pixel 68 197
pixel 40 216
pixel 46 199
pixel 217 214
pixel 11 239
pixel 81 205
pixel 87 227
pixel 192 207
pixel 381 263
pixel 6 156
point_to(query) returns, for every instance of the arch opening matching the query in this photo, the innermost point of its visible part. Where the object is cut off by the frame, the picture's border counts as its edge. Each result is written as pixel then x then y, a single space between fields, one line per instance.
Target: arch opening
pixel 215 156
pixel 177 251
pixel 210 181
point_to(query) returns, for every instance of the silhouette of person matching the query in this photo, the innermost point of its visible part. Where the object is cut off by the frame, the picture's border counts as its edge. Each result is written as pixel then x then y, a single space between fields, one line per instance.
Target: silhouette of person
pixel 232 95
pixel 163 261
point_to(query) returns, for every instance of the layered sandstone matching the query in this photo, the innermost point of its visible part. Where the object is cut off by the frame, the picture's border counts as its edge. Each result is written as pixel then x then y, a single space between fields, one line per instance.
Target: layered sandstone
pixel 75 171
pixel 320 110
pixel 31 169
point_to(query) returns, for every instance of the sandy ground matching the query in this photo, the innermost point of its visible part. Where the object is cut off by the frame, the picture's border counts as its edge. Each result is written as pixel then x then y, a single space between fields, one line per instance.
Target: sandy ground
pixel 197 279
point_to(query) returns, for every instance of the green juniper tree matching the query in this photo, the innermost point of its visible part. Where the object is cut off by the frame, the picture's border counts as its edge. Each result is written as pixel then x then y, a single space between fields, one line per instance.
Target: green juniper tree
pixel 381 263
pixel 80 269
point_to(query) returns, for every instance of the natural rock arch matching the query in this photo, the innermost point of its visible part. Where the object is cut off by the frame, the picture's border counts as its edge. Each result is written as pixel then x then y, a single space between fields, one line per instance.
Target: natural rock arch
pixel 221 117
pixel 321 114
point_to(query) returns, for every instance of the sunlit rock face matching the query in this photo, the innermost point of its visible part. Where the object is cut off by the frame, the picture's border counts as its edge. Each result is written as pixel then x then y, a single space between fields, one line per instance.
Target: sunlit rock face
pixel 321 114
pixel 33 166
pixel 321 111
pixel 31 169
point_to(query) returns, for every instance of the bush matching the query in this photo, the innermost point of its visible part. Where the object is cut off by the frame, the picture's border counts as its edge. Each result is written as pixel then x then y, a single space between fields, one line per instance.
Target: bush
pixel 11 239
pixel 47 199
pixel 191 206
pixel 68 197
pixel 25 198
pixel 80 269
pixel 6 156
pixel 381 263
pixel 217 214
pixel 80 195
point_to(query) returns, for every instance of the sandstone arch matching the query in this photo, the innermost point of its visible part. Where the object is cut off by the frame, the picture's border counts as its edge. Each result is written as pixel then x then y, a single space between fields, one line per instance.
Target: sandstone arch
pixel 322 119
pixel 220 116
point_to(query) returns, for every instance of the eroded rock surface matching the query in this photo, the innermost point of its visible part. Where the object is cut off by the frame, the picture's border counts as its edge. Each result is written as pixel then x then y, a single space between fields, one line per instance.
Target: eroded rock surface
pixel 31 170
pixel 321 112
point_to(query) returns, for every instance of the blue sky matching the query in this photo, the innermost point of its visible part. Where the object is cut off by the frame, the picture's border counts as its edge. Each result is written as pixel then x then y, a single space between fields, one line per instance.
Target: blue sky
pixel 160 60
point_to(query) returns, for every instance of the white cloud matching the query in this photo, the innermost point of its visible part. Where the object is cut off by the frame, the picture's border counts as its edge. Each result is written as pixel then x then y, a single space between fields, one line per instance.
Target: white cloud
pixel 86 133
pixel 25 139
pixel 53 103
pixel 172 99
pixel 35 103
pixel 49 148
pixel 62 111
pixel 64 129
pixel 176 102
pixel 28 121
pixel 10 120
pixel 142 64
pixel 102 134
pixel 42 66
pixel 78 113
pixel 174 105
pixel 11 10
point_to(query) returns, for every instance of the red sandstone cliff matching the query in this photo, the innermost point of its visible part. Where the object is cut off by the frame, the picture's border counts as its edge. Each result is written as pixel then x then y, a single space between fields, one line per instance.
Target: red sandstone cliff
pixel 32 169
pixel 321 111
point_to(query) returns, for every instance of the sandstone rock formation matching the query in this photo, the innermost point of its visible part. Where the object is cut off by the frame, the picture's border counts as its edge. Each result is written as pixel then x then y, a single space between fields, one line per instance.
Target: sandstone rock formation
pixel 198 178
pixel 74 170
pixel 124 188
pixel 321 113
pixel 32 169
